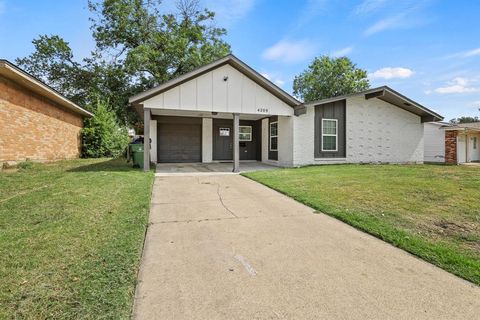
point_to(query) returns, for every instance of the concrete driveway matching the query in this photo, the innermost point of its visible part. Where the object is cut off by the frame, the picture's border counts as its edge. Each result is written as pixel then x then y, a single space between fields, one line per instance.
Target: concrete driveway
pixel 225 247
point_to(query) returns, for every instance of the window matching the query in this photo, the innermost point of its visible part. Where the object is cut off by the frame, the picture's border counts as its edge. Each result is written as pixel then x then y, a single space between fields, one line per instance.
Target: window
pixel 245 133
pixel 329 135
pixel 273 136
pixel 475 143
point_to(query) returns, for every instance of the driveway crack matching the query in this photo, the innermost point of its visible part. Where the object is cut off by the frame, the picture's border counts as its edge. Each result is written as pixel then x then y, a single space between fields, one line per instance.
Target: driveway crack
pixel 221 201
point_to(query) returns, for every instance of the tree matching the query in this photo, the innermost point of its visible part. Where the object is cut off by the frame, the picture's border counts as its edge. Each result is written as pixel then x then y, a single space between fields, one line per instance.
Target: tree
pixel 465 119
pixel 102 136
pixel 137 47
pixel 329 77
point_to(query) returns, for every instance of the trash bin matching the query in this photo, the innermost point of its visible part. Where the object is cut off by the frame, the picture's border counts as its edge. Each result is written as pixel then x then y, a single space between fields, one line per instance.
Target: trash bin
pixel 137 155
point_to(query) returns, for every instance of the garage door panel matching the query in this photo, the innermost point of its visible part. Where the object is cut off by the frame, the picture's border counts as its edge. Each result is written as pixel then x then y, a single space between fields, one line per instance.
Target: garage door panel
pixel 179 142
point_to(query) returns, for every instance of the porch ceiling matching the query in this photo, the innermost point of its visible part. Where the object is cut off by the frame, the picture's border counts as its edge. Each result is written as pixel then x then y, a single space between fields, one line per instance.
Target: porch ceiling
pixel 204 114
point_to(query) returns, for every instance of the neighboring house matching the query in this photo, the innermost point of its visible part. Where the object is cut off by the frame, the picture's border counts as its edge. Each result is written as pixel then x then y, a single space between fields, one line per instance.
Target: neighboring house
pixel 462 143
pixel 434 136
pixel 227 111
pixel 36 122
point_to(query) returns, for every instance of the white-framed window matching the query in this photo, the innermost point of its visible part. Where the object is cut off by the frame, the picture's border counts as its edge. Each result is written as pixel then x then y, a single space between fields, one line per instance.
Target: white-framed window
pixel 274 136
pixel 245 133
pixel 224 132
pixel 475 140
pixel 330 135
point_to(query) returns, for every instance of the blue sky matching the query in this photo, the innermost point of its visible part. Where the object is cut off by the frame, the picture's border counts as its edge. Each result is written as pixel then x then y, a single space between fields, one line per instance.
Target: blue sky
pixel 428 50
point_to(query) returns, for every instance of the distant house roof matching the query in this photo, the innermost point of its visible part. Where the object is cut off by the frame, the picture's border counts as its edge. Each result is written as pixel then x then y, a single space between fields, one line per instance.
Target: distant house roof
pixel 229 59
pixel 387 94
pixel 472 126
pixel 14 73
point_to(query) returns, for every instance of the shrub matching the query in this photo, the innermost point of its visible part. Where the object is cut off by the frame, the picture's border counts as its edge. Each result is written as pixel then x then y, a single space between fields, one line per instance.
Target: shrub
pixel 102 136
pixel 25 165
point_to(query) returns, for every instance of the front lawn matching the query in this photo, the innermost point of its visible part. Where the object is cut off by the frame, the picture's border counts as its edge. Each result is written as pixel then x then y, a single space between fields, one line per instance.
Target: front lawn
pixel 71 235
pixel 428 210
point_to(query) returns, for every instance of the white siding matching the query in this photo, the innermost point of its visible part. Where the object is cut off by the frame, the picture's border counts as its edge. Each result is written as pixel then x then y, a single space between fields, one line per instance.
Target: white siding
pixel 153 145
pixel 209 92
pixel 434 143
pixel 285 141
pixel 265 140
pixel 207 139
pixel 376 131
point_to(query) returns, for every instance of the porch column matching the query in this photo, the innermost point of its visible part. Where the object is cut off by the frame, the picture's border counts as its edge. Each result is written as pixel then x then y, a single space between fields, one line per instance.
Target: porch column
pixel 236 142
pixel 146 139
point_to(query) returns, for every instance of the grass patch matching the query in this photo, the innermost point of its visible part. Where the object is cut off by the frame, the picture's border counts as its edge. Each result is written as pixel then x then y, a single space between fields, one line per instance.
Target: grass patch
pixel 431 211
pixel 71 235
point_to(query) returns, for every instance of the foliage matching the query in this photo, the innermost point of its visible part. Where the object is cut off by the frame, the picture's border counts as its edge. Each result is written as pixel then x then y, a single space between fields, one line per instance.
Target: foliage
pixel 71 240
pixel 137 47
pixel 415 207
pixel 329 77
pixel 465 119
pixel 102 136
pixel 25 165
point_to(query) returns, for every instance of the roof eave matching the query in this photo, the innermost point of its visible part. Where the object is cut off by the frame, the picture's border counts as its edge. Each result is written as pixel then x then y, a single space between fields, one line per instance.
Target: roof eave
pixel 12 72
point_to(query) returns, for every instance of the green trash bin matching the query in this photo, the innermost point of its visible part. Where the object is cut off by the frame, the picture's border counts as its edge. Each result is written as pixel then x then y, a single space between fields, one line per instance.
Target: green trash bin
pixel 137 155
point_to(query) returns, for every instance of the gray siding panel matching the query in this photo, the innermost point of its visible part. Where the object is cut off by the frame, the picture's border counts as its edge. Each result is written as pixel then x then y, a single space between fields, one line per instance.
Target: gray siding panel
pixel 333 110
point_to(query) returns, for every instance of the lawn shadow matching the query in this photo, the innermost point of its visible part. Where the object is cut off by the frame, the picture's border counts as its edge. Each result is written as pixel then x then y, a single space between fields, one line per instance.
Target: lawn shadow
pixel 117 165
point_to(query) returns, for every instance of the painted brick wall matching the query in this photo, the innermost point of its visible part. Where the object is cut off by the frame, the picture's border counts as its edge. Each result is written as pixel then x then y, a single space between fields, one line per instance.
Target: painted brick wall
pixel 376 132
pixel 451 147
pixel 380 132
pixel 32 127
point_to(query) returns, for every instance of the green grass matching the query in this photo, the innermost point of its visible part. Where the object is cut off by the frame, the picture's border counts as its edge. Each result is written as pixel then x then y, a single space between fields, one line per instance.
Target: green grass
pixel 71 235
pixel 431 211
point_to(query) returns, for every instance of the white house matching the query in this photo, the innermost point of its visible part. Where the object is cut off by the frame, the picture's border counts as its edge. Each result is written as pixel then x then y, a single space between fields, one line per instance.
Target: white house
pixel 226 111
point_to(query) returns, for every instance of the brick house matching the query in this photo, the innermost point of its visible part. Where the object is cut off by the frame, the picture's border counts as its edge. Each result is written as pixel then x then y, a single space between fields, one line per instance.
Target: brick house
pixel 36 122
pixel 462 143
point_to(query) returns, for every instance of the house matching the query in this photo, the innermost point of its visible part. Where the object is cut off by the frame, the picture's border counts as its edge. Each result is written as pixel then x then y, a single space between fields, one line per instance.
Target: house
pixel 226 111
pixel 462 143
pixel 36 122
pixel 434 142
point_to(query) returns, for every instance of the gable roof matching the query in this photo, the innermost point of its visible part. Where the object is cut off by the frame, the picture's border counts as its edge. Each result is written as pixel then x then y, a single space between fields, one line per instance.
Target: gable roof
pixel 229 59
pixel 14 73
pixel 391 96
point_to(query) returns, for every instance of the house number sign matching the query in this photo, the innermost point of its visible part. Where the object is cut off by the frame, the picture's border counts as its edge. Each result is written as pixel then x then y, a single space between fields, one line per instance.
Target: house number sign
pixel 262 110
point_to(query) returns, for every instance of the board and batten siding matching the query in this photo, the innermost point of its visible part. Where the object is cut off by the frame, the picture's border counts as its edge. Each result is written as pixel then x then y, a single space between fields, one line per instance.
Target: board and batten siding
pixel 333 110
pixel 210 92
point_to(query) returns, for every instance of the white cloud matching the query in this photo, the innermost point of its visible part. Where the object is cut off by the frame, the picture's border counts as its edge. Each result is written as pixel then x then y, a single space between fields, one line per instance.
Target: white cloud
pixel 391 73
pixel 457 85
pixel 277 81
pixel 229 12
pixel 369 6
pixel 290 51
pixel 403 14
pixel 385 24
pixel 464 54
pixel 342 52
pixel 472 53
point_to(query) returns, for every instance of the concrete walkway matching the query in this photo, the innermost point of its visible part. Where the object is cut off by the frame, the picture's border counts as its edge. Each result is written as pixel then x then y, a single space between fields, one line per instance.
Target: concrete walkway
pixel 224 247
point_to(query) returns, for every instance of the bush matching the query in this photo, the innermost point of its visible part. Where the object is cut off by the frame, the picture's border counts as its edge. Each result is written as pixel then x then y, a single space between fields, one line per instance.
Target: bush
pixel 25 165
pixel 102 136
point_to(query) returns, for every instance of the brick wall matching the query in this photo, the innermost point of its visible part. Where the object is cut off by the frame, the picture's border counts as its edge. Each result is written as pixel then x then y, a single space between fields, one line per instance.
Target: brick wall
pixel 35 128
pixel 451 147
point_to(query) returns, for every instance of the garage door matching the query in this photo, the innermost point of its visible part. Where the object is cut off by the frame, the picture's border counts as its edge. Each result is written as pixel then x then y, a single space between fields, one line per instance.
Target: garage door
pixel 179 140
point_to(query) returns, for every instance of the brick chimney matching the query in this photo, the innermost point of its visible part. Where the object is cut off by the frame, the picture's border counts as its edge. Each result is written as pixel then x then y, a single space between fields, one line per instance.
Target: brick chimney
pixel 451 147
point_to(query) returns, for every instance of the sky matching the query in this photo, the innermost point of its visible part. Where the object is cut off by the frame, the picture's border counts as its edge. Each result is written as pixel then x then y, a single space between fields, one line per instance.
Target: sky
pixel 429 50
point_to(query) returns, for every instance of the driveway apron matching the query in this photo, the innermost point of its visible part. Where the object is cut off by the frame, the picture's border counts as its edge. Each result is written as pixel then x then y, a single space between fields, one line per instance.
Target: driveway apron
pixel 225 247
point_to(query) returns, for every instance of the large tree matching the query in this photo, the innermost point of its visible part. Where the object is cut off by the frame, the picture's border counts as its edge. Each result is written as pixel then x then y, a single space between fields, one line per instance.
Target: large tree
pixel 137 46
pixel 328 77
pixel 465 119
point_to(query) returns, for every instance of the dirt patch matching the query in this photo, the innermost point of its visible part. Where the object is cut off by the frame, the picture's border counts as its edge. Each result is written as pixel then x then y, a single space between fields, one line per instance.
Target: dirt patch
pixel 451 227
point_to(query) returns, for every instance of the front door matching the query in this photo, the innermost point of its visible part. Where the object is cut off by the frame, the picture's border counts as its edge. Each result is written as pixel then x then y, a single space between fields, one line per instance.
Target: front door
pixel 223 141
